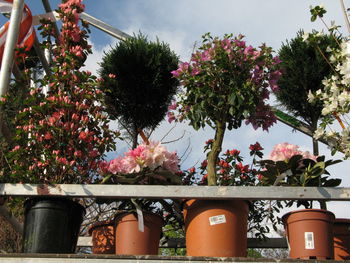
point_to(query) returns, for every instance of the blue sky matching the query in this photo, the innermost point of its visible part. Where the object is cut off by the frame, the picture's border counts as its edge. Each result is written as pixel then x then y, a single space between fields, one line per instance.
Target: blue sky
pixel 180 23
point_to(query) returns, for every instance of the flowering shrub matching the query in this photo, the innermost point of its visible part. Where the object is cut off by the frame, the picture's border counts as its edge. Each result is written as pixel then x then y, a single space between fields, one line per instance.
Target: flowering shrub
pixel 226 82
pixel 288 166
pixel 232 171
pixel 62 136
pixel 230 168
pixel 147 164
pixel 335 95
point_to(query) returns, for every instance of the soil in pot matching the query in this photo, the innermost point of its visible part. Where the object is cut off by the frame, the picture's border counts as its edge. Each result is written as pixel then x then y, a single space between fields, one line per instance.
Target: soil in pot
pixel 103 237
pixel 310 233
pixel 341 239
pixel 51 225
pixel 131 241
pixel 216 228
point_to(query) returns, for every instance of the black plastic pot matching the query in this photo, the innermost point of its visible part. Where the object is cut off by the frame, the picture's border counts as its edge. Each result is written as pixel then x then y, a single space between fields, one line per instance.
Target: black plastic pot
pixel 51 225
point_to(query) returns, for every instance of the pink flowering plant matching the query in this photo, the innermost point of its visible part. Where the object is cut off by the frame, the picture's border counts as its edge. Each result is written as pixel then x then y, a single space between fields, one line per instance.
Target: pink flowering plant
pixel 226 82
pixel 233 171
pixel 148 163
pixel 62 135
pixel 287 165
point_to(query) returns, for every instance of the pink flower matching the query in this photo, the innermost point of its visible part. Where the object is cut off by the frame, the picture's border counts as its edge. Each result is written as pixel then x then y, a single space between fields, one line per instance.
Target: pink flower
pixel 83 135
pixel 104 167
pixel 112 76
pixel 233 152
pixel 171 116
pixel 256 147
pixel 77 51
pixel 192 170
pixel 16 148
pixel 151 156
pixel 210 141
pixel 173 106
pixel 48 136
pixel 285 151
pixel 242 168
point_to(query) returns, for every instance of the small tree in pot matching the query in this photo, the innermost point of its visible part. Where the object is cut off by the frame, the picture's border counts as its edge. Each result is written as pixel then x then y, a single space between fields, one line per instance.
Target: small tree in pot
pixel 225 83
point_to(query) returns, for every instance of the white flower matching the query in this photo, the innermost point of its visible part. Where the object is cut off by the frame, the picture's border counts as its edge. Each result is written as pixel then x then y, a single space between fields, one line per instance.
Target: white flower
pixel 319 133
pixel 343 98
pixel 306 37
pixel 311 97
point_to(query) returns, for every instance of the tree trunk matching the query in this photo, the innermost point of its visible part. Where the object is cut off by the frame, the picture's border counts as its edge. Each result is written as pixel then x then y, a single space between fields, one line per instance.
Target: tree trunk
pixel 134 138
pixel 316 153
pixel 215 151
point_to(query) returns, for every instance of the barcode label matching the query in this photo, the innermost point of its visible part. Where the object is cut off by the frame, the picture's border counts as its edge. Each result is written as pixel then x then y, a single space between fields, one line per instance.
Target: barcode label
pixel 215 220
pixel 309 240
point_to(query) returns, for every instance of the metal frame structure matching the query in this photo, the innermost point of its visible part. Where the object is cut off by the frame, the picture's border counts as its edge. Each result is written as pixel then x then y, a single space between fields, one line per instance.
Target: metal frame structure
pixel 166 192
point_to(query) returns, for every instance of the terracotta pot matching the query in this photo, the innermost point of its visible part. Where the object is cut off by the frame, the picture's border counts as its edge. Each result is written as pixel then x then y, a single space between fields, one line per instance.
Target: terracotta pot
pixel 216 228
pixel 103 237
pixel 310 233
pixel 131 241
pixel 341 230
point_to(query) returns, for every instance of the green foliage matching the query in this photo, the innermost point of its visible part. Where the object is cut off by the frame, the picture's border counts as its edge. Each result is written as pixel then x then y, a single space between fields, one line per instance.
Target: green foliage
pixel 253 253
pixel 317 11
pixel 170 232
pixel 304 68
pixel 143 86
pixel 298 171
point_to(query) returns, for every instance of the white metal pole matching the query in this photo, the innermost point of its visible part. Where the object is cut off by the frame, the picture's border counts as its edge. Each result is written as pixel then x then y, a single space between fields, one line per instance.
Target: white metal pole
pixel 11 41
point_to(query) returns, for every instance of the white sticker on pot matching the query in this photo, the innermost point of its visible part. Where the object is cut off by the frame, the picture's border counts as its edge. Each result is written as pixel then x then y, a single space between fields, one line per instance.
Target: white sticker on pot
pixel 215 220
pixel 309 240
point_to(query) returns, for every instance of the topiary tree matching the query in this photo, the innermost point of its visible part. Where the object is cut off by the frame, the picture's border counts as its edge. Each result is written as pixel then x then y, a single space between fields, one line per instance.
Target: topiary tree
pixel 304 68
pixel 138 83
pixel 226 82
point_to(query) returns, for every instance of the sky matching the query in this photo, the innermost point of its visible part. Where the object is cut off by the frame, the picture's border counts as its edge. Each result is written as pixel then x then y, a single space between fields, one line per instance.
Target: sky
pixel 181 23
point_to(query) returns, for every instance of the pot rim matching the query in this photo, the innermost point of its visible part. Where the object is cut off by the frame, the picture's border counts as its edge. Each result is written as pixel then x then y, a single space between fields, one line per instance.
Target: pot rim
pixel 110 222
pixel 122 213
pixel 342 221
pixel 284 217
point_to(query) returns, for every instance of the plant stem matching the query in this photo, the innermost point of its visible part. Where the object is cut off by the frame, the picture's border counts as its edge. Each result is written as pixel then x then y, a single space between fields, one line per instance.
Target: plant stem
pixel 345 15
pixel 316 153
pixel 215 151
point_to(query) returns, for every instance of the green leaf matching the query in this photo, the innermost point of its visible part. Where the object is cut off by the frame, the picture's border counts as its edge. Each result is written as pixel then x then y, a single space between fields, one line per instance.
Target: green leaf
pixel 332 183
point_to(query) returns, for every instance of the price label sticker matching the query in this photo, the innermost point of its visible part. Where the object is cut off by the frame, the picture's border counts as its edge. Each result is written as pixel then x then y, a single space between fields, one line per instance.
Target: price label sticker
pixel 309 240
pixel 215 220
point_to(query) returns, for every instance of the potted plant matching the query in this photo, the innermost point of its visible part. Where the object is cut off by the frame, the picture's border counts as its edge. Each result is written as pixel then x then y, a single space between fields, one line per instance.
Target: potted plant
pixel 335 101
pixel 225 83
pixel 61 137
pixel 226 233
pixel 139 221
pixel 139 87
pixel 309 231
